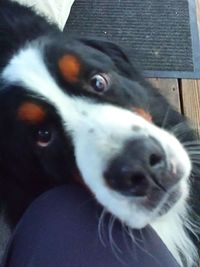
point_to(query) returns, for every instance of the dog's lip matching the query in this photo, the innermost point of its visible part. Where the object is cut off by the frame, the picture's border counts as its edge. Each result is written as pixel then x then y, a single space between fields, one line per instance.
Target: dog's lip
pixel 130 195
pixel 149 202
pixel 156 195
pixel 158 198
pixel 165 201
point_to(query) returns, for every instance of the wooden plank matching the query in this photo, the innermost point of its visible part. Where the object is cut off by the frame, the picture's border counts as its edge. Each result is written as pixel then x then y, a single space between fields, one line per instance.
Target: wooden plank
pixel 191 101
pixel 170 89
pixel 190 90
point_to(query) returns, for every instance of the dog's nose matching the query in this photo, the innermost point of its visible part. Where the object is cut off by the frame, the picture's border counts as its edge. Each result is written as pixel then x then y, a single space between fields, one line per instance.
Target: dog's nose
pixel 138 167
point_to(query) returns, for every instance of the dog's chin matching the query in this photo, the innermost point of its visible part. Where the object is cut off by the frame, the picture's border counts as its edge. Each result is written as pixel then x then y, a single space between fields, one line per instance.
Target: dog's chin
pixel 138 212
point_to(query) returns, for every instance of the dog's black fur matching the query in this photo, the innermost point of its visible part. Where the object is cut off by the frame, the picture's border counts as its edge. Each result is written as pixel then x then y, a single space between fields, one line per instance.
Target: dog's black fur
pixel 25 170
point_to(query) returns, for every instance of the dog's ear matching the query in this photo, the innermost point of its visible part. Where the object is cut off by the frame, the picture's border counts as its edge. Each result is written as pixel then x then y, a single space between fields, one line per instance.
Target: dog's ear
pixel 115 52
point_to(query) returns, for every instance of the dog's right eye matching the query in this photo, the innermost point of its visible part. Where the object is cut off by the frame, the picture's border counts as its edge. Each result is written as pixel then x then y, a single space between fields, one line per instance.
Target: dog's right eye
pixel 99 83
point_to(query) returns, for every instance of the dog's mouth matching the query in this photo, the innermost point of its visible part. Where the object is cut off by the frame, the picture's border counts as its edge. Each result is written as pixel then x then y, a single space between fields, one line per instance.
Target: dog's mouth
pixel 155 195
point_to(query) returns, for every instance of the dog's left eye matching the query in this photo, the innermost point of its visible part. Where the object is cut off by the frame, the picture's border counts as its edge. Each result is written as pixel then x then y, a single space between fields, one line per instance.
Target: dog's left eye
pixel 44 137
pixel 99 83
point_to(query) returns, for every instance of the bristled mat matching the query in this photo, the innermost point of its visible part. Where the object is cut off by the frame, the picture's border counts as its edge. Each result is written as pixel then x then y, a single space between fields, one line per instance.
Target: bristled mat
pixel 161 36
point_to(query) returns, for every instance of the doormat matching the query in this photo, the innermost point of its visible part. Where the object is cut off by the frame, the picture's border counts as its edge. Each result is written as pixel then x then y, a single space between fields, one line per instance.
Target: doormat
pixel 161 36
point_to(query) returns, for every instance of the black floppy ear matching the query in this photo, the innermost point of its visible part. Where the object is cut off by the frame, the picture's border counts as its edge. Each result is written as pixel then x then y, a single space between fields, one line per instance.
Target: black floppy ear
pixel 115 52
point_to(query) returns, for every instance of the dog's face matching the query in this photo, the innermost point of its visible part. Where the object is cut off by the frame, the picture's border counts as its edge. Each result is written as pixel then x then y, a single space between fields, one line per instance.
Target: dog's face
pixel 83 105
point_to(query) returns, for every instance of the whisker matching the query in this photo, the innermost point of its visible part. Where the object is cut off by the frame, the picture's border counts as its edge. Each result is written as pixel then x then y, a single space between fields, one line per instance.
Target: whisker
pixel 164 122
pixel 195 161
pixel 193 152
pixel 115 249
pixel 180 126
pixel 130 233
pixel 192 148
pixel 101 229
pixel 192 224
pixel 181 131
pixel 194 158
pixel 129 245
pixel 192 142
pixel 195 173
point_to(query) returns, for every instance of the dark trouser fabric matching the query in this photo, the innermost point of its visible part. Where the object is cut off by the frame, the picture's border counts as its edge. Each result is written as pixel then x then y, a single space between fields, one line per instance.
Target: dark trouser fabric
pixel 61 229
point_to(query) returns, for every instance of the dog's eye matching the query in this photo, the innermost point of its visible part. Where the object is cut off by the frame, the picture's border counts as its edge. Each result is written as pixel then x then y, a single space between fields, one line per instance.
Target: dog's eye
pixel 99 83
pixel 44 137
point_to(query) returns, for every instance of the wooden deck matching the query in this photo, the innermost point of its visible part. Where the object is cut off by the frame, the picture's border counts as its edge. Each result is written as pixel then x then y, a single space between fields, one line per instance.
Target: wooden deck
pixel 183 94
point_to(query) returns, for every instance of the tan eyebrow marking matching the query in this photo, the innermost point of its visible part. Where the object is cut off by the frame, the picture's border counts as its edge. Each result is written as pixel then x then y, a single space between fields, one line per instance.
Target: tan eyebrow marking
pixel 31 112
pixel 69 67
pixel 141 112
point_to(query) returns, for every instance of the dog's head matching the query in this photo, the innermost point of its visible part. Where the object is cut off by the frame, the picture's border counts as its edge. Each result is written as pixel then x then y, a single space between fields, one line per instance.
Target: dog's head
pixel 69 104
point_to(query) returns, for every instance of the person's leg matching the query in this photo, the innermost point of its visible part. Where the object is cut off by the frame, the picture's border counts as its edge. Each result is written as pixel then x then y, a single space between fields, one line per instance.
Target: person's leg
pixel 60 229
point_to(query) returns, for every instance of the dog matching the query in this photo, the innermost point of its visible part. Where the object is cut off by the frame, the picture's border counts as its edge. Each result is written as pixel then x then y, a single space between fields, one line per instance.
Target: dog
pixel 76 110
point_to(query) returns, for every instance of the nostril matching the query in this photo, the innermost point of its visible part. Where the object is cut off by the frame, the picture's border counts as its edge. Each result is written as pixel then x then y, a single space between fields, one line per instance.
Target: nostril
pixel 139 184
pixel 137 178
pixel 155 159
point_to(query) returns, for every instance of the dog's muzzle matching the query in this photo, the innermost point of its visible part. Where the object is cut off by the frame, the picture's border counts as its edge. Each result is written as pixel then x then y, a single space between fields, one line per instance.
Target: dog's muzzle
pixel 141 168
